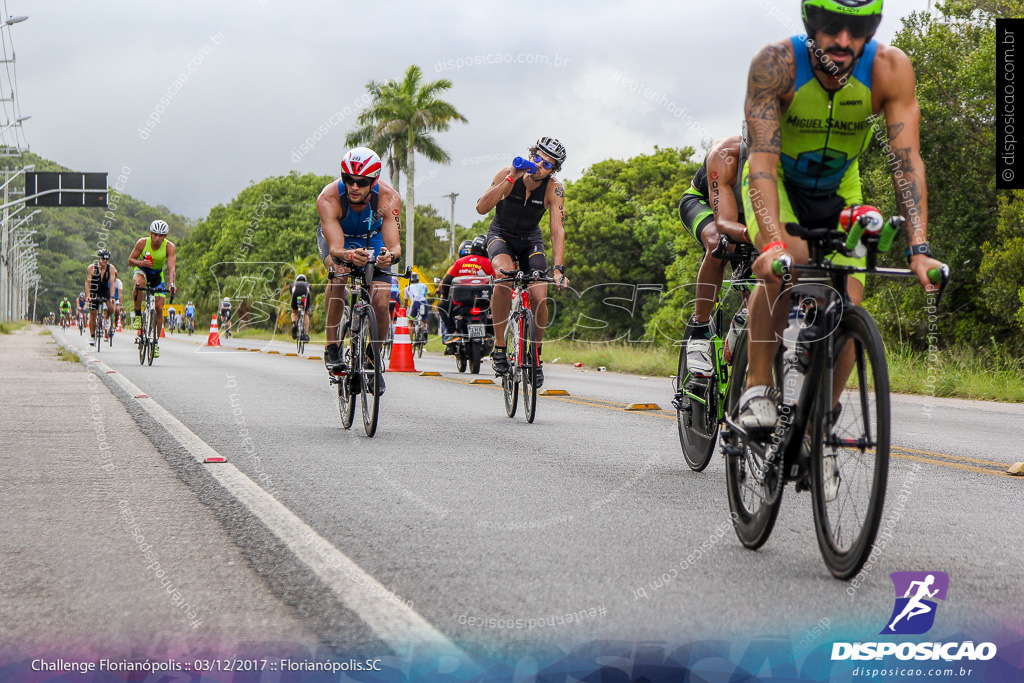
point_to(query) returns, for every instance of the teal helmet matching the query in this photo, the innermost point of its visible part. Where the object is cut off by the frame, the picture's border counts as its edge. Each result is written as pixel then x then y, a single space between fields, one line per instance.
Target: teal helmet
pixel 861 17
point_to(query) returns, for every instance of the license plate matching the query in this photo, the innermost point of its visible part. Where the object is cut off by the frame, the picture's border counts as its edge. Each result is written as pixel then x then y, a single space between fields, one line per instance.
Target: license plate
pixel 477 331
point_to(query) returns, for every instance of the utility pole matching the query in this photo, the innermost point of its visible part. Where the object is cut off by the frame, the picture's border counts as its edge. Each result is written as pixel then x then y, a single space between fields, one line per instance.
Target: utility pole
pixel 5 293
pixel 451 231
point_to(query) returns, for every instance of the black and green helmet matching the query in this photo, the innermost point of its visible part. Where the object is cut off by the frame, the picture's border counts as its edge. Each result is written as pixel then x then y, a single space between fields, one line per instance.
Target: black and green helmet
pixel 861 17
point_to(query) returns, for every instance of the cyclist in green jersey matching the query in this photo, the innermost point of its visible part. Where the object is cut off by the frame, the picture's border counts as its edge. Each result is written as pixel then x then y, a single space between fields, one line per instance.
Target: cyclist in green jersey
pixel 151 257
pixel 65 310
pixel 810 105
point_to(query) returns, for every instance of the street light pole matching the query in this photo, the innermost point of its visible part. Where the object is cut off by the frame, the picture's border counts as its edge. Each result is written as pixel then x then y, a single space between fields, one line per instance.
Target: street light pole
pixel 451 231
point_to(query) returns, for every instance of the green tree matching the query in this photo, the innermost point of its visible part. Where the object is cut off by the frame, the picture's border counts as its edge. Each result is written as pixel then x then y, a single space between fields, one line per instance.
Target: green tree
pixel 622 235
pixel 412 110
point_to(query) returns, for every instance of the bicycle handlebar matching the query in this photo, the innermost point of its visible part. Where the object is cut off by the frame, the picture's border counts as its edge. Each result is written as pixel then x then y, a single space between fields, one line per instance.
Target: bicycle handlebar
pixel 521 277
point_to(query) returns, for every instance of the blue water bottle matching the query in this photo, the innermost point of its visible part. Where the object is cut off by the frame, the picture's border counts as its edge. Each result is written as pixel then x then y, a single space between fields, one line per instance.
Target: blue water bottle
pixel 525 164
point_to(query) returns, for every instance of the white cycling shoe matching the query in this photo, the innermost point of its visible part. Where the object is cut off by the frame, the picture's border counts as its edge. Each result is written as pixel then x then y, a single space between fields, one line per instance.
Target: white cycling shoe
pixel 757 409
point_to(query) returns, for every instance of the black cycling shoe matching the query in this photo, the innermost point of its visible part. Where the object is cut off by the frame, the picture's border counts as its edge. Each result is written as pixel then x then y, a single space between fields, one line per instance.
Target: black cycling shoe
pixel 500 362
pixel 449 350
pixel 332 359
pixel 538 375
pixel 380 386
pixel 295 331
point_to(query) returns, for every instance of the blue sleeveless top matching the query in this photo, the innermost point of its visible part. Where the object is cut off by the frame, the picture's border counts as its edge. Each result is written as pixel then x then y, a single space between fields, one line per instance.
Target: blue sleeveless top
pixel 362 228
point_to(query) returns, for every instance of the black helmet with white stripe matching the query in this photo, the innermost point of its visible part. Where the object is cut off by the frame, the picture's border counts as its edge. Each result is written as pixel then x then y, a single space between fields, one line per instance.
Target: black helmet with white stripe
pixel 553 148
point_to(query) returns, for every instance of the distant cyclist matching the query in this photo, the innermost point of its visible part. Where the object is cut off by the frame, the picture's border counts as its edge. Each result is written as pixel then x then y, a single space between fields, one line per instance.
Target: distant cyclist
pixel 118 294
pixel 190 316
pixel 520 199
pixel 301 294
pixel 99 282
pixel 416 296
pixel 151 257
pixel 65 311
pixel 393 297
pixel 225 315
pixel 80 305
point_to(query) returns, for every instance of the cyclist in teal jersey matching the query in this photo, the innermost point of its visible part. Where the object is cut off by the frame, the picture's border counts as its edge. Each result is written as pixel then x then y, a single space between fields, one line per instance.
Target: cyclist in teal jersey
pixel 810 105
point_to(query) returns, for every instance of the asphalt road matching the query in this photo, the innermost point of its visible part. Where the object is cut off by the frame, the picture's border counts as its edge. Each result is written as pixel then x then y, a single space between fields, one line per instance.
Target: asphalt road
pixel 487 524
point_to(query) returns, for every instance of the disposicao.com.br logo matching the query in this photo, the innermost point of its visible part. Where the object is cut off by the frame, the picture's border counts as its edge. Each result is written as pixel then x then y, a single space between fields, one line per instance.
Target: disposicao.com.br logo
pixel 913 614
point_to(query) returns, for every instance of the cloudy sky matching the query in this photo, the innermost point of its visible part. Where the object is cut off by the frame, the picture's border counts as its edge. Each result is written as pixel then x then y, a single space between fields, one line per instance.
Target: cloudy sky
pixel 197 99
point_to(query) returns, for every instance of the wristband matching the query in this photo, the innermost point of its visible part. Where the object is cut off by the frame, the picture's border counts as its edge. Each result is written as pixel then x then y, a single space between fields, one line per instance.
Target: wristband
pixel 776 243
pixel 509 178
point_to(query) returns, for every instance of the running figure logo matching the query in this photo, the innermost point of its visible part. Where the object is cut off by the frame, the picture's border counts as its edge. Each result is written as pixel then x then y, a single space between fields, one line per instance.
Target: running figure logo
pixel 916 592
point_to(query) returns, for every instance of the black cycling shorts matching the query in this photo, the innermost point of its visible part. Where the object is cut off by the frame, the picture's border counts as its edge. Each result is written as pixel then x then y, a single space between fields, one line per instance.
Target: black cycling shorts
pixel 527 254
pixel 695 214
pixel 94 303
pixel 295 301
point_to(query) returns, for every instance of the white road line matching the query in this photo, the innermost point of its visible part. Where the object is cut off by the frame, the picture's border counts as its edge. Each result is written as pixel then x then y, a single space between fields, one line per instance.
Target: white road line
pixel 400 626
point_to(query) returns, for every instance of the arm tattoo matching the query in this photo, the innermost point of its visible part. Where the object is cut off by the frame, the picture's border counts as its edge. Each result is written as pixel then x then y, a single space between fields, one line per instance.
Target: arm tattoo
pixel 895 130
pixel 559 191
pixel 902 161
pixel 762 175
pixel 770 77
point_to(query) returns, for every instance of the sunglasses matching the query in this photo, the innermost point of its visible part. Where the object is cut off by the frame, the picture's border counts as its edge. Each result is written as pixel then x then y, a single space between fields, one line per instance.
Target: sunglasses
pixel 538 159
pixel 833 24
pixel 358 181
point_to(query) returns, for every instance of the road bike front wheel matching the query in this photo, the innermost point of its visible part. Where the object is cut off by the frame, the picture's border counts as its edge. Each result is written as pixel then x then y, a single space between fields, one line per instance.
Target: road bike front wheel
pixel 154 337
pixel 347 387
pixel 850 448
pixel 509 380
pixel 528 363
pixel 697 401
pixel 140 339
pixel 753 511
pixel 370 370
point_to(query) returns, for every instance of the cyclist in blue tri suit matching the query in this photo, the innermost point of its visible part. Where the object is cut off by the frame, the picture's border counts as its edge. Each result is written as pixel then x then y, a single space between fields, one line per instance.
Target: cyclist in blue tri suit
pixel 359 222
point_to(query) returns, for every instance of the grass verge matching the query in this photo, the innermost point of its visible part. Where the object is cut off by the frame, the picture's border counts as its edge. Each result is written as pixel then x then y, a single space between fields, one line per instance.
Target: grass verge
pixel 68 355
pixel 8 327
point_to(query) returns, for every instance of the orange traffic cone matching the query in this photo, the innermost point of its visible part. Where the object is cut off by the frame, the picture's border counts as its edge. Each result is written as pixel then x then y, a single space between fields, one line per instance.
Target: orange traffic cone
pixel 401 347
pixel 214 338
pixel 162 332
pixel 119 328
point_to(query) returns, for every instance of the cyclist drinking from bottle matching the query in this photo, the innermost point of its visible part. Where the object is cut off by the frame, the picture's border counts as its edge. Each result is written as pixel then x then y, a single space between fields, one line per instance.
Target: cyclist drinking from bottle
pixel 151 256
pixel 358 224
pixel 520 196
pixel 810 105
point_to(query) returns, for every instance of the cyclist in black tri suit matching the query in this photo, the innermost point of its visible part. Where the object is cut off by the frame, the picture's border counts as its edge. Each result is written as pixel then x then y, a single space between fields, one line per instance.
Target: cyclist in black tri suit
pixel 99 282
pixel 514 239
pixel 300 289
pixel 711 207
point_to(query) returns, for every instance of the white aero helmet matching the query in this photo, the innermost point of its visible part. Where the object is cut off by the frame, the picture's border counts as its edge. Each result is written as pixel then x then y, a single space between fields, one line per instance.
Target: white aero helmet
pixel 159 227
pixel 361 161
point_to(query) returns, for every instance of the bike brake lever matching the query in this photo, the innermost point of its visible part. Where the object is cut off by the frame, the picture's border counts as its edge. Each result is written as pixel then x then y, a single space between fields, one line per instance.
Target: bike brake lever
pixel 722 248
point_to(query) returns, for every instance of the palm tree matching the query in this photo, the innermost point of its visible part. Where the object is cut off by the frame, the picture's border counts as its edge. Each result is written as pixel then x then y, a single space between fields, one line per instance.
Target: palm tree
pixel 400 119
